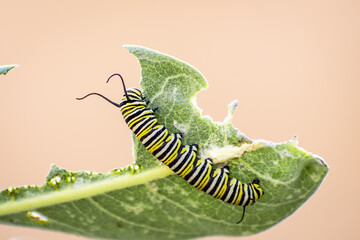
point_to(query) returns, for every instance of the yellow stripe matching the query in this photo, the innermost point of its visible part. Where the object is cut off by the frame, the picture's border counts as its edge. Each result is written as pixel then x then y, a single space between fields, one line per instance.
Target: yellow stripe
pixel 254 193
pixel 184 149
pixel 188 168
pixel 201 160
pixel 216 173
pixel 218 190
pixel 147 130
pixel 136 120
pixel 221 193
pixel 158 143
pixel 132 109
pixel 173 155
pixel 205 180
pixel 240 194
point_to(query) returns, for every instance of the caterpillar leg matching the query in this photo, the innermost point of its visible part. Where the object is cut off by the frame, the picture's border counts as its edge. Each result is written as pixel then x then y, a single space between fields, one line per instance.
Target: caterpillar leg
pixel 210 161
pixel 195 147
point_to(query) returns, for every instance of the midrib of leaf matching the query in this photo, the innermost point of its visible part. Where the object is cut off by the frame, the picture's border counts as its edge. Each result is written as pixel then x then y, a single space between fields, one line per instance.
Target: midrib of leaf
pixel 84 191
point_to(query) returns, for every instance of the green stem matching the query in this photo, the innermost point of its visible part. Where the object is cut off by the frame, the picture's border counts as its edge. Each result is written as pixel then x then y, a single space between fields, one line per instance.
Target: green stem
pixel 88 190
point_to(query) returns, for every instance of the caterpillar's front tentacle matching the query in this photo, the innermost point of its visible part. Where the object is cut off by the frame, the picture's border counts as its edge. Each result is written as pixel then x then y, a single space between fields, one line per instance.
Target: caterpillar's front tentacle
pixel 98 94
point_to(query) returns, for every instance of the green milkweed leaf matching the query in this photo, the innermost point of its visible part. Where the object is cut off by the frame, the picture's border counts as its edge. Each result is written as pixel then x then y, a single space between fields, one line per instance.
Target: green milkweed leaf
pixel 146 200
pixel 6 68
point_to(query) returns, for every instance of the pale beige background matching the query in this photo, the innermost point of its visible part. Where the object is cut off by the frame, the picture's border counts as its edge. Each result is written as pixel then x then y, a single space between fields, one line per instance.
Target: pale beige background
pixel 293 66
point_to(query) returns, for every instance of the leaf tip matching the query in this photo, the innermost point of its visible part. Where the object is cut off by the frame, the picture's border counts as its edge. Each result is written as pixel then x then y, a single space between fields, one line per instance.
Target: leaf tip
pixel 6 68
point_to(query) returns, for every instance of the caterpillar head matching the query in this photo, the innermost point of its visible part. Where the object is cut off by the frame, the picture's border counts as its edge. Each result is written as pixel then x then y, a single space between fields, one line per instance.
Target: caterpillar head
pixel 133 94
pixel 258 190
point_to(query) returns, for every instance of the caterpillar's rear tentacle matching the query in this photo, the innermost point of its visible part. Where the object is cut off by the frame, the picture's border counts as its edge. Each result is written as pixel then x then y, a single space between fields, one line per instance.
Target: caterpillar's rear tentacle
pixel 243 215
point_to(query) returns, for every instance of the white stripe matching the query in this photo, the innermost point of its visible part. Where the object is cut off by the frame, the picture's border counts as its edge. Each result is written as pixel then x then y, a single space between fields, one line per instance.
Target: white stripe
pixel 245 192
pixel 230 192
pixel 201 178
pixel 164 149
pixel 196 172
pixel 144 127
pixel 237 192
pixel 157 138
pixel 186 163
pixel 154 133
pixel 171 151
pixel 180 160
pixel 213 183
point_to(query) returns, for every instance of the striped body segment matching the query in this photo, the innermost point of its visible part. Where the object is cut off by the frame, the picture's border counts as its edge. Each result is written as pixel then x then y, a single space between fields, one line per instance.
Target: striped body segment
pixel 182 159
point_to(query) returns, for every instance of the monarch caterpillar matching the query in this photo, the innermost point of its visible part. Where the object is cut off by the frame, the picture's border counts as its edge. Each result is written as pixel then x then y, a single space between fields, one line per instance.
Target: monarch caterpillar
pixel 182 159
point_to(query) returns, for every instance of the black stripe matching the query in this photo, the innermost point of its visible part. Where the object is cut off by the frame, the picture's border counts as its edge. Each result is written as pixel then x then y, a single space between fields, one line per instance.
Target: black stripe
pixel 150 142
pixel 144 124
pixel 249 195
pixel 170 147
pixel 227 190
pixel 181 165
pixel 257 192
pixel 211 179
pixel 193 169
pixel 234 195
pixel 178 155
pixel 204 168
pixel 136 115
pixel 217 185
pixel 131 105
pixel 243 194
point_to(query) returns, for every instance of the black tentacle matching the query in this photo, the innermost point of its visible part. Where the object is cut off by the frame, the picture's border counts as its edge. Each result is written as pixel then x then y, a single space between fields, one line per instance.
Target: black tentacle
pixel 123 83
pixel 98 94
pixel 243 215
